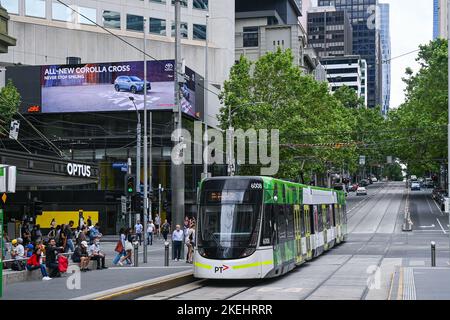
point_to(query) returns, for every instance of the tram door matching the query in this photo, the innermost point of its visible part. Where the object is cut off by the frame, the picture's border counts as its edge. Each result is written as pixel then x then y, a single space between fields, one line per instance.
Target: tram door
pixel 326 226
pixel 298 233
pixel 337 221
pixel 307 220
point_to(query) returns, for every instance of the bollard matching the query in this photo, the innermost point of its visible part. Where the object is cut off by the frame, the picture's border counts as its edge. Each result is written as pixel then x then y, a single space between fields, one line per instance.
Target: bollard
pixel 136 254
pixel 433 254
pixel 166 253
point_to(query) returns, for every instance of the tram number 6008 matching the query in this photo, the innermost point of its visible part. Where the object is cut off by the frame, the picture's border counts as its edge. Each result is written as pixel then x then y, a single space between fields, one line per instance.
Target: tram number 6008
pixel 256 185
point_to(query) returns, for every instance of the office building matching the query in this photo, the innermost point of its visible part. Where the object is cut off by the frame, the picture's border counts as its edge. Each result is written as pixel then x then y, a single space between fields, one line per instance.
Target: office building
pixel 55 39
pixel 349 71
pixel 435 19
pixel 337 40
pixel 362 14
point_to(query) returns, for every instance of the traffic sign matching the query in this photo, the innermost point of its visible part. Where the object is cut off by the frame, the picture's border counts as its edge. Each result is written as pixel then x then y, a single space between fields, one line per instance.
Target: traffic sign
pixel 362 160
pixel 122 166
pixel 123 202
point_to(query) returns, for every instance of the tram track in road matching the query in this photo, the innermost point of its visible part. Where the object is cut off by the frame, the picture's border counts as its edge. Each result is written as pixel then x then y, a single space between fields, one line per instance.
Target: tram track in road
pixel 386 250
pixel 364 201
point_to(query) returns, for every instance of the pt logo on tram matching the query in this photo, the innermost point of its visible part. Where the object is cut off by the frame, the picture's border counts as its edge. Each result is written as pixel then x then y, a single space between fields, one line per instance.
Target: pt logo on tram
pixel 221 269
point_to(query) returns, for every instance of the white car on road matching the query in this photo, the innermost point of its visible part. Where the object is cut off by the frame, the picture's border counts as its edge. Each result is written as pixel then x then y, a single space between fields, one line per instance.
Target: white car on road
pixel 361 191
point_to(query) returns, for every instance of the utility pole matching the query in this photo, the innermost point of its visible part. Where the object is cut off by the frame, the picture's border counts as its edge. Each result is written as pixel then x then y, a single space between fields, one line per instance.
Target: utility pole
pixel 205 112
pixel 138 152
pixel 177 170
pixel 146 156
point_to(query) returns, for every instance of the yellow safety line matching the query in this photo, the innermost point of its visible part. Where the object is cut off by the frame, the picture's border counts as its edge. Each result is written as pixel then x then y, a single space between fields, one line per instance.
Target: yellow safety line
pixel 256 264
pixel 400 285
pixel 201 265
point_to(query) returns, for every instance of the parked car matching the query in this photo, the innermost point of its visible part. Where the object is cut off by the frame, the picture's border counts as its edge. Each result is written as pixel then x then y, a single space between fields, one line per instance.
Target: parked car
pixel 132 84
pixel 429 183
pixel 362 191
pixel 364 183
pixel 436 193
pixel 374 179
pixel 415 186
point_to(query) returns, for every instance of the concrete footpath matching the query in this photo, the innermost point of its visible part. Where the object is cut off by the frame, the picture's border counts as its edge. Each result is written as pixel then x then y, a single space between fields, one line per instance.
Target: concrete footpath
pixel 96 281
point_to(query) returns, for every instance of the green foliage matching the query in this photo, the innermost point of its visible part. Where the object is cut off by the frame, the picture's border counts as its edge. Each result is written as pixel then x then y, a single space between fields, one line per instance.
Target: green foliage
pixel 273 93
pixel 393 172
pixel 9 104
pixel 419 125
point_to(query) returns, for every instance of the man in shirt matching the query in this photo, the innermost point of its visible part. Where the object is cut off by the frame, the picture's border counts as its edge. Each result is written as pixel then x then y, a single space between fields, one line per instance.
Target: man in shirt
pixel 95 253
pixel 158 225
pixel 18 250
pixel 69 235
pixel 150 230
pixel 139 229
pixel 177 240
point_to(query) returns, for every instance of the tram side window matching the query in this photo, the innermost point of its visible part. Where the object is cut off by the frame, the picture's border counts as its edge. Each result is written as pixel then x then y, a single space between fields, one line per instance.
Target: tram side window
pixel 266 232
pixel 331 214
pixel 281 222
pixel 337 215
pixel 290 221
pixel 320 219
pixel 302 222
pixel 313 213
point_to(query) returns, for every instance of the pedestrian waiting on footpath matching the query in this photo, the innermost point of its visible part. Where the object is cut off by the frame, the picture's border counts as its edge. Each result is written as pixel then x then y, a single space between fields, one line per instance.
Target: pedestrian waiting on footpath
pixel 177 241
pixel 36 261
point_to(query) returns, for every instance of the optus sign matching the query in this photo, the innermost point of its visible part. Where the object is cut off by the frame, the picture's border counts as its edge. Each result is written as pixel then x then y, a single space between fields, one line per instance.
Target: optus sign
pixel 78 170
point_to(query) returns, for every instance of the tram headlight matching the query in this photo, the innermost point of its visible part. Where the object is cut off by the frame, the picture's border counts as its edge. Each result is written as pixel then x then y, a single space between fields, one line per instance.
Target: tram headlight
pixel 202 252
pixel 247 252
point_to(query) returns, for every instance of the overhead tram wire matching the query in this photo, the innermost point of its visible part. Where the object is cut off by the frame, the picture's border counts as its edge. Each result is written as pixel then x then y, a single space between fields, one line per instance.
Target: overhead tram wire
pixel 127 42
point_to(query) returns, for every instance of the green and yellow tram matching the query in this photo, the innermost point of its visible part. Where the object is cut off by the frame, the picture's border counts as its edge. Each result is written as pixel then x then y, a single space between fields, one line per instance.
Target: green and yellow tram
pixel 261 227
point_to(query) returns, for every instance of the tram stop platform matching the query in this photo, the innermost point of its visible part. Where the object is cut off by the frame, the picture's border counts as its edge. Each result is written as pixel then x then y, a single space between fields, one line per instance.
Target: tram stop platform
pixel 421 283
pixel 96 284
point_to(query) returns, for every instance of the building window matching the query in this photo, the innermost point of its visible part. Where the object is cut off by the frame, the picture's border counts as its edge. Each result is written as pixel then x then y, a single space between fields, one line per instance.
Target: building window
pixel 184 3
pixel 61 12
pixel 199 32
pixel 35 8
pixel 89 13
pixel 184 29
pixel 111 19
pixel 12 6
pixel 251 37
pixel 135 23
pixel 200 4
pixel 158 26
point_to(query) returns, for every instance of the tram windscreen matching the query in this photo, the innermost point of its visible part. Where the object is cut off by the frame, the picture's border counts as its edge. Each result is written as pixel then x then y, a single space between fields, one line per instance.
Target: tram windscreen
pixel 229 222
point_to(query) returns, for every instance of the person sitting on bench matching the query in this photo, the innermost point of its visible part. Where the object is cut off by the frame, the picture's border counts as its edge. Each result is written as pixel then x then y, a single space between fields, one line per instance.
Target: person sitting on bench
pixel 35 262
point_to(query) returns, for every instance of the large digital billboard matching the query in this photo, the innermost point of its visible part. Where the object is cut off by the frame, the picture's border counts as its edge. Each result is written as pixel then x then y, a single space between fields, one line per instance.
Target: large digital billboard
pixel 100 87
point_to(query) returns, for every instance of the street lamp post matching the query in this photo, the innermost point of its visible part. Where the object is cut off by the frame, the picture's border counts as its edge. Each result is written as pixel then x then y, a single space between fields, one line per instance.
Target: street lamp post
pixel 138 150
pixel 205 112
pixel 146 156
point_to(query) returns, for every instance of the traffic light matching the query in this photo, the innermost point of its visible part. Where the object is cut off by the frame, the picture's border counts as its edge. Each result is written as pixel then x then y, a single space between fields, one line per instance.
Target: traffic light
pixel 37 207
pixel 138 203
pixel 130 185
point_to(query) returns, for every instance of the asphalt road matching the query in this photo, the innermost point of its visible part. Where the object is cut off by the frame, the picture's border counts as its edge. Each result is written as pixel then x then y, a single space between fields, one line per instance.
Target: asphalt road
pixel 360 269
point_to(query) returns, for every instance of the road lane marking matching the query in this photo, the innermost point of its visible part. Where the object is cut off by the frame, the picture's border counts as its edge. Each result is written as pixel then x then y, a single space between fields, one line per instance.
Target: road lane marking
pixel 432 226
pixel 443 230
pixel 437 206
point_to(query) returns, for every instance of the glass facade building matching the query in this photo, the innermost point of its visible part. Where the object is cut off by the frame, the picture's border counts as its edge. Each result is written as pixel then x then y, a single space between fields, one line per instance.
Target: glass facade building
pixel 435 19
pixel 385 39
pixel 362 14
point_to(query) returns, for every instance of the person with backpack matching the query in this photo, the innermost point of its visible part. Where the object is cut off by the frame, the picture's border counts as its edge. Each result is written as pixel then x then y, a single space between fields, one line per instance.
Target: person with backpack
pixel 35 262
pixel 165 229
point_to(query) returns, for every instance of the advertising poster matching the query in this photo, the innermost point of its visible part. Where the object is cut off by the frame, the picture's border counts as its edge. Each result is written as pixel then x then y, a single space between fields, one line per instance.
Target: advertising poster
pixel 101 87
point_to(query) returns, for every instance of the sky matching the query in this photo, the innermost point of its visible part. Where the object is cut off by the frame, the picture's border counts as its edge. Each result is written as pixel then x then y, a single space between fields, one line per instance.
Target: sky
pixel 411 25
